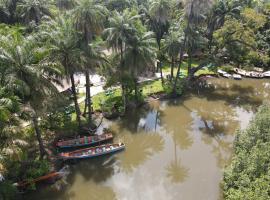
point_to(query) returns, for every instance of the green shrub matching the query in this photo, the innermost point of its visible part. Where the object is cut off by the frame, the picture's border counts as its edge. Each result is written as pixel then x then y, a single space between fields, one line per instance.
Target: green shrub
pixel 248 176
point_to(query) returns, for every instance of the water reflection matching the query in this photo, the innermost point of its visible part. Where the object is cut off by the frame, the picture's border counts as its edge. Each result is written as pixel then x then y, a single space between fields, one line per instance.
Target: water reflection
pixel 140 148
pixel 177 122
pixel 176 172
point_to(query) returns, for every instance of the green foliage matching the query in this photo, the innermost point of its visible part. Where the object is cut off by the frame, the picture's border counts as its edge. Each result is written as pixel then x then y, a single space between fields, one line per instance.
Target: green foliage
pixel 248 176
pixel 168 87
pixel 7 190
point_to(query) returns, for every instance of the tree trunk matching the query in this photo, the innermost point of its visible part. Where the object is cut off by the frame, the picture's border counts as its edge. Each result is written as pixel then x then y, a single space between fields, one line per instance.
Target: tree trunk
pixel 85 103
pixel 178 72
pixel 189 65
pixel 172 68
pixel 88 97
pixel 160 64
pixel 77 108
pixel 136 90
pixel 182 51
pixel 124 97
pixel 38 134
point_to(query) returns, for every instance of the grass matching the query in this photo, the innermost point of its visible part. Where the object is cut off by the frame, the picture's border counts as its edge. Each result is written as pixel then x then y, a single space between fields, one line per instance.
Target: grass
pixel 167 68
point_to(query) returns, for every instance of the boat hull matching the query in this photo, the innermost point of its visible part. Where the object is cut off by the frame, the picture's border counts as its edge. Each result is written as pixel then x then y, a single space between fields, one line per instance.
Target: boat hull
pixel 64 144
pixel 122 147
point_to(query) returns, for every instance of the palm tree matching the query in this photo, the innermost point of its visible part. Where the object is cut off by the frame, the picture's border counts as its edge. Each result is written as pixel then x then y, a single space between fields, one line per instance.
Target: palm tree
pixel 32 73
pixel 194 15
pixel 159 24
pixel 89 17
pixel 64 40
pixel 93 58
pixel 33 10
pixel 66 4
pixel 8 11
pixel 172 47
pixel 139 55
pixel 216 19
pixel 118 35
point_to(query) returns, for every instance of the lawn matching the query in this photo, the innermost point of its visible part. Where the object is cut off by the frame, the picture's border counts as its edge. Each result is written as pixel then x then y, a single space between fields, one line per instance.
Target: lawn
pixel 167 68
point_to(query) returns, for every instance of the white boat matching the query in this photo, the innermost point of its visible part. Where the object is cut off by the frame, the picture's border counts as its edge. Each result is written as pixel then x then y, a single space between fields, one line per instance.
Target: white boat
pixel 237 76
pixel 266 74
pixel 221 72
pixel 227 75
pixel 224 74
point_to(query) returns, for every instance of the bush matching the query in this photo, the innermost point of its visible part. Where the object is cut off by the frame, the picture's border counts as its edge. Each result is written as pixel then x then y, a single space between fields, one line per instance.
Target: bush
pixel 248 176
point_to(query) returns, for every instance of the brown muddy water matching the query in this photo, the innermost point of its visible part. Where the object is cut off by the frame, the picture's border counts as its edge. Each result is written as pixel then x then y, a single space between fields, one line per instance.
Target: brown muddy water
pixel 174 149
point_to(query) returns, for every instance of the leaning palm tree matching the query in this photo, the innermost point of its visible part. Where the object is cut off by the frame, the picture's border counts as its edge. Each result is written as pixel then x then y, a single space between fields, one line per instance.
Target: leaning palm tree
pixel 32 73
pixel 88 20
pixel 33 10
pixel 139 55
pixel 121 30
pixel 65 49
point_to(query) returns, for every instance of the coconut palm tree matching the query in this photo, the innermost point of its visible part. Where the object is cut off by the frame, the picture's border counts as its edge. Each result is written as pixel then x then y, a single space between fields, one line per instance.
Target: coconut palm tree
pixel 33 10
pixel 32 73
pixel 65 49
pixel 88 20
pixel 194 15
pixel 172 47
pixel 139 55
pixel 216 18
pixel 94 58
pixel 159 24
pixel 8 11
pixel 66 4
pixel 121 30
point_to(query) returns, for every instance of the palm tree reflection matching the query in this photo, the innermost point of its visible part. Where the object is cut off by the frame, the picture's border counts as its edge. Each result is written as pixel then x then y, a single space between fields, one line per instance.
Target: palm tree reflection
pixel 175 172
pixel 140 148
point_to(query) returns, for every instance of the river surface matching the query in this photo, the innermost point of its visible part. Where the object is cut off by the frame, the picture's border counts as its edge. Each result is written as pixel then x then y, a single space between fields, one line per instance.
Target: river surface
pixel 174 149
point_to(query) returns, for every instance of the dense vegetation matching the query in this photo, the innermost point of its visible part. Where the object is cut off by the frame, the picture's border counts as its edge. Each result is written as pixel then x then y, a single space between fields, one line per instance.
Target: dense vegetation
pixel 248 177
pixel 43 42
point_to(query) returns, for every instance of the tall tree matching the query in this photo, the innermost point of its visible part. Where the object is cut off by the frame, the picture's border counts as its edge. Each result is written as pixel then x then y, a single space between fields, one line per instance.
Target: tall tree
pixel 33 10
pixel 65 49
pixel 118 35
pixel 32 73
pixel 139 55
pixel 8 11
pixel 159 23
pixel 172 47
pixel 88 19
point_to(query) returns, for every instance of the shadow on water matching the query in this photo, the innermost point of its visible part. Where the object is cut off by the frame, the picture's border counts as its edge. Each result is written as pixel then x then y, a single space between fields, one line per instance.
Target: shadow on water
pixel 97 169
pixel 140 148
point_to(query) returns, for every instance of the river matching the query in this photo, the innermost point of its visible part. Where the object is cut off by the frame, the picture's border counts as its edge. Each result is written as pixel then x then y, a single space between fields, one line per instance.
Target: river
pixel 175 149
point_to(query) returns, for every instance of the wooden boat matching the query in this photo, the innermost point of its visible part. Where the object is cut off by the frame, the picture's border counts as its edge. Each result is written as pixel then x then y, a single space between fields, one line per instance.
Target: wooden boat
pixel 251 74
pixel 237 76
pixel 53 174
pixel 240 71
pixel 84 141
pixel 92 151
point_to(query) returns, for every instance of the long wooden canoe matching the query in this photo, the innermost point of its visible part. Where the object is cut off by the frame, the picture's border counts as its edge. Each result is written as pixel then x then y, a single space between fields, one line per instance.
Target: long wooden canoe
pixel 53 174
pixel 84 141
pixel 92 151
